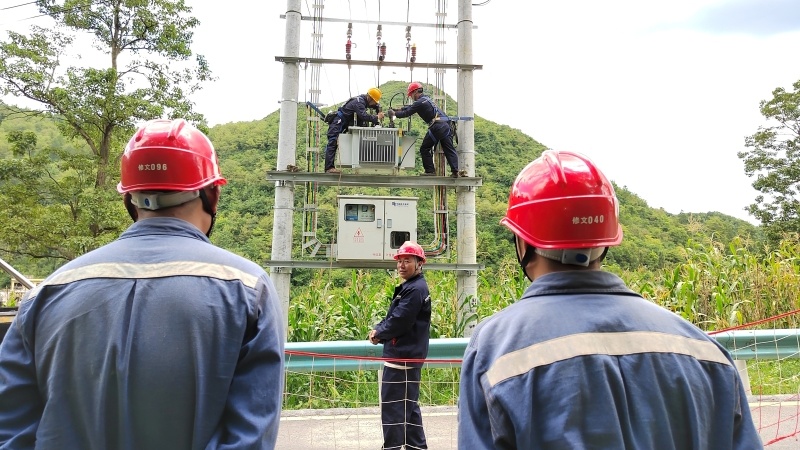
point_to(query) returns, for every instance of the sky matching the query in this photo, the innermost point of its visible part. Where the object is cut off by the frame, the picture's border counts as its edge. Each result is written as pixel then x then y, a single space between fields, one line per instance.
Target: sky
pixel 660 93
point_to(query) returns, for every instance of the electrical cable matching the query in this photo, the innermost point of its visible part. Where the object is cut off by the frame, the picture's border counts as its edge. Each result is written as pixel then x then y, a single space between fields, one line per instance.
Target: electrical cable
pixel 17 6
pixel 58 11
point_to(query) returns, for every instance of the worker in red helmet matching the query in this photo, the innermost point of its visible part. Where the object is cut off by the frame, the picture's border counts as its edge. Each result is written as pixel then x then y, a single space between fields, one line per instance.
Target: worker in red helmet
pixel 158 340
pixel 582 361
pixel 404 333
pixel 168 164
pixel 439 129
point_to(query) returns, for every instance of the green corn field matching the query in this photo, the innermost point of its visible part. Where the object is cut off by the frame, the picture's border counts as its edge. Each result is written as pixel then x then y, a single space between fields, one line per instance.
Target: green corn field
pixel 716 287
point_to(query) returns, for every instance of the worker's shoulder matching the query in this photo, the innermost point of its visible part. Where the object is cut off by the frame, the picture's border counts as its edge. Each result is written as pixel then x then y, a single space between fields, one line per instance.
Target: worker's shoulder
pixel 226 257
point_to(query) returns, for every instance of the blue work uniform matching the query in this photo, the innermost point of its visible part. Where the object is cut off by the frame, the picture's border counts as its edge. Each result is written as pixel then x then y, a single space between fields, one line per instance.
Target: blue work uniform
pixel 439 131
pixel 354 111
pixel 405 334
pixel 581 361
pixel 158 340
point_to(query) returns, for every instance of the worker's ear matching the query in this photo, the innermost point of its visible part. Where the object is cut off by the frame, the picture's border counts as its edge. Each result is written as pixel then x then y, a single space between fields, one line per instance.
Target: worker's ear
pixel 521 247
pixel 132 211
pixel 212 194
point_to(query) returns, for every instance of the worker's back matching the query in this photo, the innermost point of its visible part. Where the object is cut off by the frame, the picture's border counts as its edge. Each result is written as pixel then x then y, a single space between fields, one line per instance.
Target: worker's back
pixel 583 362
pixel 136 345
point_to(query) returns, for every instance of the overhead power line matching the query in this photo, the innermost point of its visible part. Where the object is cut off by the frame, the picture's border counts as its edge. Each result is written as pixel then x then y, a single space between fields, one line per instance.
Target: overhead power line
pixel 57 11
pixel 17 6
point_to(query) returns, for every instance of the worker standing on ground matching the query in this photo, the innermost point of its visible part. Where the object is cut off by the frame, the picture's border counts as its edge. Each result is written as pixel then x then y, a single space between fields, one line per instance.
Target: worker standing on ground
pixel 353 110
pixel 158 340
pixel 439 129
pixel 405 334
pixel 582 361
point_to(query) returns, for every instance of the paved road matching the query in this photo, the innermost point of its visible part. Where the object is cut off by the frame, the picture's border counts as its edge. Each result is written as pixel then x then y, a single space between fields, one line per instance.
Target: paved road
pixel 360 429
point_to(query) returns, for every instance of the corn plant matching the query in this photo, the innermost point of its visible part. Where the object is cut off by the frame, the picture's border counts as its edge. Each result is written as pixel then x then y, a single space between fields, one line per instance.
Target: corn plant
pixel 715 287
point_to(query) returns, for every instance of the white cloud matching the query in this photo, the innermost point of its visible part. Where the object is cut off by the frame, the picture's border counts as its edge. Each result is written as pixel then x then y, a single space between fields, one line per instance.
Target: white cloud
pixel 658 93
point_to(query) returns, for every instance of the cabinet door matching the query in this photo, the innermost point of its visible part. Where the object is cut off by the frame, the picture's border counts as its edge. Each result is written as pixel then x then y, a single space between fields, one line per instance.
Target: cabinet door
pixel 401 225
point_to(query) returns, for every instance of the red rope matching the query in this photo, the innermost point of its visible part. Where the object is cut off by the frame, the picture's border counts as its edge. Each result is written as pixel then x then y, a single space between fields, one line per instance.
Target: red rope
pixel 756 322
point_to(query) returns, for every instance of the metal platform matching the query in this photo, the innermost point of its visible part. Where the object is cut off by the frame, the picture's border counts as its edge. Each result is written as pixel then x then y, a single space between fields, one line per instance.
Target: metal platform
pixel 355 179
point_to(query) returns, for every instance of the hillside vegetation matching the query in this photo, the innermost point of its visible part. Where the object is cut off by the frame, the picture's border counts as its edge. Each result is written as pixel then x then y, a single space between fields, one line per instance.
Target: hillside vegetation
pixel 653 238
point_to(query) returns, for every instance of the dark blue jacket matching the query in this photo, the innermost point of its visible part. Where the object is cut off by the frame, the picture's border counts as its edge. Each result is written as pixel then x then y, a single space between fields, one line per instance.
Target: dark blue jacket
pixel 159 340
pixel 405 331
pixel 582 362
pixel 427 110
pixel 356 108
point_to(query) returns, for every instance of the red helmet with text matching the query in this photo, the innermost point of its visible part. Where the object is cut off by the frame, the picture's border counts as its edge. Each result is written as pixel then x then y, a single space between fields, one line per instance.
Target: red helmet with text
pixel 561 200
pixel 168 155
pixel 410 248
pixel 413 87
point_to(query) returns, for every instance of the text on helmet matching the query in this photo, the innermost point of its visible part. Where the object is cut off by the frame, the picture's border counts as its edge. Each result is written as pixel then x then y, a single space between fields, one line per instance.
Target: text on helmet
pixel 146 167
pixel 588 220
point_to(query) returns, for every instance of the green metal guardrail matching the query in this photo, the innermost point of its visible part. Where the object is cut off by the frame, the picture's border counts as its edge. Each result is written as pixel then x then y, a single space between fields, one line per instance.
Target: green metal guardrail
pixel 761 344
pixel 358 355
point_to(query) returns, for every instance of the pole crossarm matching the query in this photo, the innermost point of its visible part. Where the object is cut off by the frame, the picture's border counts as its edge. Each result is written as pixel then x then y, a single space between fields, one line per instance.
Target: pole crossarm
pixel 380 22
pixel 357 62
pixel 372 179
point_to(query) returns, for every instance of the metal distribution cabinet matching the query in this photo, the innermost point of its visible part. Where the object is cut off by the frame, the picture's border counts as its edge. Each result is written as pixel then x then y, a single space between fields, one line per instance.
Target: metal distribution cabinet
pixel 374 227
pixel 376 148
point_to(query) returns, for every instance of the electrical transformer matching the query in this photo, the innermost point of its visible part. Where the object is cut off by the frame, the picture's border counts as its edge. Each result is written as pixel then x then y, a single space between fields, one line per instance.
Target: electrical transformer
pixel 376 149
pixel 374 227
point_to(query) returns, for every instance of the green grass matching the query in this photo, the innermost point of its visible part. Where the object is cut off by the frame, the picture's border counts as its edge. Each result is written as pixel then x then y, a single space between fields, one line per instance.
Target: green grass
pixel 774 377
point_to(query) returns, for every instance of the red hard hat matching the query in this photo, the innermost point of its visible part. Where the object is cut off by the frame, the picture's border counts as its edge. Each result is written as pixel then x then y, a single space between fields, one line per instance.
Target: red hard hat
pixel 413 87
pixel 410 248
pixel 168 155
pixel 561 201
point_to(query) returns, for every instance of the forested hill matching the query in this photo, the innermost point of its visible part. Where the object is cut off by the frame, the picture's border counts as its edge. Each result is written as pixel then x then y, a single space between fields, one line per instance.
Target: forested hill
pixel 653 237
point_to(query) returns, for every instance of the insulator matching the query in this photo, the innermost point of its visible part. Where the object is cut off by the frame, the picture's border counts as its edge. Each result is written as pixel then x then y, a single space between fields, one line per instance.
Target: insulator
pixel 383 51
pixel 347 47
pixel 349 30
pixel 413 52
pixel 380 33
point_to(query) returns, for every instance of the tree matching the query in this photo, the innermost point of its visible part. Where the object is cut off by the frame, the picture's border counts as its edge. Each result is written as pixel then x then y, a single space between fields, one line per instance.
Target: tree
pixel 53 223
pixel 148 74
pixel 775 162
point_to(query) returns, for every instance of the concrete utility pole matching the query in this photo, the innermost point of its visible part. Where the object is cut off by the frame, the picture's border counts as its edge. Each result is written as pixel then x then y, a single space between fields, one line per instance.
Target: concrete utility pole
pixel 465 244
pixel 466 281
pixel 287 145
